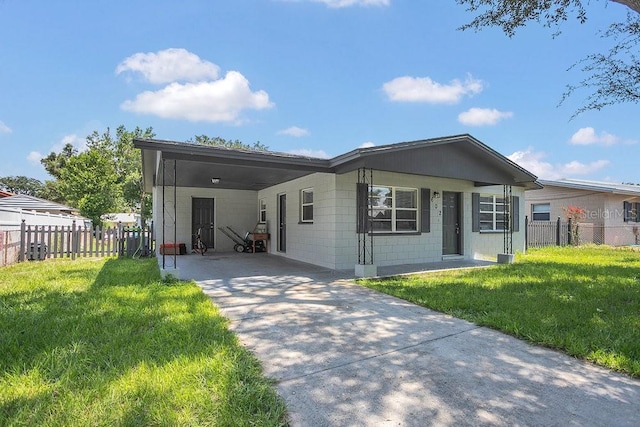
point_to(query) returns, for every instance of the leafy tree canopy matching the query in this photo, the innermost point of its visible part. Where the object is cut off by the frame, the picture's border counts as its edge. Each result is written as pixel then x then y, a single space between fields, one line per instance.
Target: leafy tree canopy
pixel 89 182
pixel 21 185
pixel 613 77
pixel 221 142
pixel 55 162
pixel 106 177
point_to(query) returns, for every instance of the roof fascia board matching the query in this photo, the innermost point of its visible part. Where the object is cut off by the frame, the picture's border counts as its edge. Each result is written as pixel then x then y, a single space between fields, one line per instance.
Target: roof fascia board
pixel 186 150
pixel 590 187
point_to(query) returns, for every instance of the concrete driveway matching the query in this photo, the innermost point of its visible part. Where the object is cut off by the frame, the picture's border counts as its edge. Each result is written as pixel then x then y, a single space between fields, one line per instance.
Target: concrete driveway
pixel 344 355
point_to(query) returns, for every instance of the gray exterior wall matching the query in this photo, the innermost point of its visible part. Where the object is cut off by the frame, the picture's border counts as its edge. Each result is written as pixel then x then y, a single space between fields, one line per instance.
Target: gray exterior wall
pixel 235 208
pixel 602 209
pixel 331 241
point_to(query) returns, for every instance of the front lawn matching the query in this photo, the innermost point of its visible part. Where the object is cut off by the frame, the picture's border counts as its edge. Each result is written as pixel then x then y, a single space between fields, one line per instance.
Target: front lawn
pixel 584 301
pixel 95 342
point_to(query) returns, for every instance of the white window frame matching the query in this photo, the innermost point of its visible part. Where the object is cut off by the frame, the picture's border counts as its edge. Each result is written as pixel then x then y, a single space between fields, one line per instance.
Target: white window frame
pixel 376 204
pixel 547 212
pixel 496 209
pixel 262 211
pixel 303 205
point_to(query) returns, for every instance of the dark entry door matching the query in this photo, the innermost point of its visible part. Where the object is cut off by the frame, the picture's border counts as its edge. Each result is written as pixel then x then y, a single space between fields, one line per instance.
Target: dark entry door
pixel 202 218
pixel 451 225
pixel 282 223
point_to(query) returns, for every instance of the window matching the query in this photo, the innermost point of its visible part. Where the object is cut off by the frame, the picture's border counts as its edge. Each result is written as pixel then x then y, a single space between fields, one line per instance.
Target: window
pixel 491 213
pixel 262 211
pixel 541 212
pixel 306 205
pixel 631 212
pixel 393 209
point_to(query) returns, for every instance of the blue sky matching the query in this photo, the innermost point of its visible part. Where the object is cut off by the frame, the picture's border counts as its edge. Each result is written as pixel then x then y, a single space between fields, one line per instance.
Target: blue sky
pixel 315 77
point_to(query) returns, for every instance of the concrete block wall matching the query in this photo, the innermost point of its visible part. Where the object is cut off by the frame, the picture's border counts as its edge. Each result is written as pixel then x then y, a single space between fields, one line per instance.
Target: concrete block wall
pixel 560 198
pixel 235 208
pixel 331 240
pixel 486 245
pixel 617 232
pixel 308 242
pixel 424 247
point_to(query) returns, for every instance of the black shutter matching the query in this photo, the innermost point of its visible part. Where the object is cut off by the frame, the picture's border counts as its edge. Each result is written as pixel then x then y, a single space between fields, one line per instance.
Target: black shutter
pixel 475 211
pixel 425 211
pixel 515 213
pixel 637 208
pixel 626 207
pixel 362 207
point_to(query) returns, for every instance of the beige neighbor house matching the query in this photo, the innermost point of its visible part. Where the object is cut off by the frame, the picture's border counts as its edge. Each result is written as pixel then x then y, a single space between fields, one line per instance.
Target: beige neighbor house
pixel 612 211
pixel 407 203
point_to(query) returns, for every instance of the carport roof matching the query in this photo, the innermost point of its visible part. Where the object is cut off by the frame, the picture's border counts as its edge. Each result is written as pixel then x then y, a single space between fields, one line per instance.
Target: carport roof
pixel 458 157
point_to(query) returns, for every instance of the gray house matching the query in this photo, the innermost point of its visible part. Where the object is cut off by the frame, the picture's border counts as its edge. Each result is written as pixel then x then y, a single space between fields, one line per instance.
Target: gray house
pixel 412 202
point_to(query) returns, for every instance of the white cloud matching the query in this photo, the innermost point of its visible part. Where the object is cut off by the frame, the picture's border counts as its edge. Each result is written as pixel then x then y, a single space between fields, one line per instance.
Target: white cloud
pixel 588 136
pixel 483 116
pixel 346 3
pixel 424 89
pixel 170 65
pixel 320 154
pixel 221 100
pixel 294 131
pixel 367 144
pixel 533 162
pixel 34 158
pixel 4 128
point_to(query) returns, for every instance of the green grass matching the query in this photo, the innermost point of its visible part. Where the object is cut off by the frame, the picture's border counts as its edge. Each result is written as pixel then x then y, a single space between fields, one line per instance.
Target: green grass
pixel 97 342
pixel 584 301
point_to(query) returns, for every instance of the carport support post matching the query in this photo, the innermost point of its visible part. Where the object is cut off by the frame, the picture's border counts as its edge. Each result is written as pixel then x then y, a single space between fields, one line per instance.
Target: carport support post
pixel 365 267
pixel 164 271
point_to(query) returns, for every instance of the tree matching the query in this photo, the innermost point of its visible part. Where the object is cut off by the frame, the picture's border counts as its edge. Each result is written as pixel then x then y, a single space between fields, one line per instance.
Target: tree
pixel 221 142
pixel 89 183
pixel 612 77
pixel 112 168
pixel 128 165
pixel 21 185
pixel 55 162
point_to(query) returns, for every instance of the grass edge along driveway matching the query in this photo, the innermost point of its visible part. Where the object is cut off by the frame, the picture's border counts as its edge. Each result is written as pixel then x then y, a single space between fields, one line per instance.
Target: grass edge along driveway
pixel 106 342
pixel 584 301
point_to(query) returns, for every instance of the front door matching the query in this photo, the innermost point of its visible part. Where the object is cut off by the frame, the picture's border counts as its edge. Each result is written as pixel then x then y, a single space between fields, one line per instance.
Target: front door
pixel 282 223
pixel 451 225
pixel 202 218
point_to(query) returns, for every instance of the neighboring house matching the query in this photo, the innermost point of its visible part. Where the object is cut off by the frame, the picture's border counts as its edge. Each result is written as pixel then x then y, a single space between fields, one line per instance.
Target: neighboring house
pixel 612 211
pixel 121 218
pixel 5 194
pixel 412 202
pixel 36 211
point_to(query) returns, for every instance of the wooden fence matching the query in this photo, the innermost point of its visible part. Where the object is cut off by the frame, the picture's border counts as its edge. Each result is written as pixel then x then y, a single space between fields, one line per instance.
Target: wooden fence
pixel 546 233
pixel 562 233
pixel 38 242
